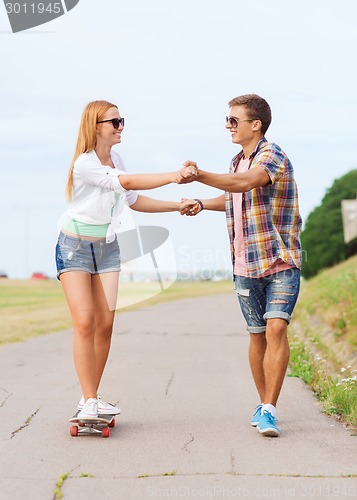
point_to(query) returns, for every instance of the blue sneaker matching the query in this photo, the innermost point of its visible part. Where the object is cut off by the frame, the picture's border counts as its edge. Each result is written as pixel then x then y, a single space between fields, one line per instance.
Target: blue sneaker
pixel 266 425
pixel 255 418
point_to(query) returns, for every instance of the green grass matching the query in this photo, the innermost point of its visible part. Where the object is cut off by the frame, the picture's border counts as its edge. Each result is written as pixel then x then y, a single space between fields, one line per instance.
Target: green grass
pixel 332 296
pixel 337 392
pixel 59 483
pixel 323 339
pixel 31 308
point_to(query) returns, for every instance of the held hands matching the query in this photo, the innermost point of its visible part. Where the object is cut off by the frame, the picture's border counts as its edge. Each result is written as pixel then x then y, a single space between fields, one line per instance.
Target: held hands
pixel 188 173
pixel 189 207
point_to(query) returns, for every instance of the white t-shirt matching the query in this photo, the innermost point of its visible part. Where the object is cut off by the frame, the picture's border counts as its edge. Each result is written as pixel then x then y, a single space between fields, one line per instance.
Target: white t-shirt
pixel 94 186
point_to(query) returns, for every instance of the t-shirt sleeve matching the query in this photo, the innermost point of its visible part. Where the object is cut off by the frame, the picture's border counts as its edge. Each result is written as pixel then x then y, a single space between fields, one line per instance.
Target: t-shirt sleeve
pixel 99 175
pixel 272 161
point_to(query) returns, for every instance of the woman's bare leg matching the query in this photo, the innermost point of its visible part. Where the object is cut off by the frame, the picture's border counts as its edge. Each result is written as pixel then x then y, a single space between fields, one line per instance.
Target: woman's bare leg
pixel 105 291
pixel 77 286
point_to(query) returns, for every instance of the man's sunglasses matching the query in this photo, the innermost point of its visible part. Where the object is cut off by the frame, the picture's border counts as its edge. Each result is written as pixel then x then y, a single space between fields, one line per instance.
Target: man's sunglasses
pixel 233 122
pixel 115 121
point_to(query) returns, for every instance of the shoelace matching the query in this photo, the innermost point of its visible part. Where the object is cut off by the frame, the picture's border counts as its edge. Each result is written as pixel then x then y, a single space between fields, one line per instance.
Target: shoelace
pixel 104 403
pixel 100 400
pixel 270 417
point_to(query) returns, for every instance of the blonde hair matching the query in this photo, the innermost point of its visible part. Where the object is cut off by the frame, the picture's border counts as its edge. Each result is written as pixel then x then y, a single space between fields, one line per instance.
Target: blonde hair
pixel 87 136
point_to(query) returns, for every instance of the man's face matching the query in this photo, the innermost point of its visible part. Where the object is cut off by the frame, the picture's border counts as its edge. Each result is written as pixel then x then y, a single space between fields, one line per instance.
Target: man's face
pixel 242 129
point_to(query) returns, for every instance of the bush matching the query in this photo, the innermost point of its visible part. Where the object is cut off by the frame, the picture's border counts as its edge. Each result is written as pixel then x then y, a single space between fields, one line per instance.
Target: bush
pixel 322 239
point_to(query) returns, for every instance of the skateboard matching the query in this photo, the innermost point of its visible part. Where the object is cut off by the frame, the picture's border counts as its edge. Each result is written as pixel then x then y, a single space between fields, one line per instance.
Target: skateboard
pixel 100 425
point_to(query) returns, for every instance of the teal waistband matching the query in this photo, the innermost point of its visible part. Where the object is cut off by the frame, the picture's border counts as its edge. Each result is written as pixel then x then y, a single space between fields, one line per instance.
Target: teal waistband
pixel 83 229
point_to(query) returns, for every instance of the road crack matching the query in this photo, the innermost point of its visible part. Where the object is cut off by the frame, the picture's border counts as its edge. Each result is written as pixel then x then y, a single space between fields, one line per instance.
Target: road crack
pixel 169 383
pixel 233 463
pixel 188 443
pixel 26 424
pixel 9 394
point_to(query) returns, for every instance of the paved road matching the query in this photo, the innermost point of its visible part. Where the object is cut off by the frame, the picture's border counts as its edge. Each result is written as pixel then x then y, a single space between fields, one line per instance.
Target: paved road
pixel 179 372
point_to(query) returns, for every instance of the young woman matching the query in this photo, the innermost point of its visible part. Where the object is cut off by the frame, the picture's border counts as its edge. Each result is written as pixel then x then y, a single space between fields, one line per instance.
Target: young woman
pixel 87 251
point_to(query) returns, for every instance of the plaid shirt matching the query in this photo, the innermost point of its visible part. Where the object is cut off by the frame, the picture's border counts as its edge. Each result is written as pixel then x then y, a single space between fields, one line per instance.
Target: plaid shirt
pixel 271 219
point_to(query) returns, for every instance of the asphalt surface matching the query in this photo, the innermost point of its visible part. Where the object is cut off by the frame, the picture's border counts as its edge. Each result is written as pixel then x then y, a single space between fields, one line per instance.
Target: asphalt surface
pixel 180 374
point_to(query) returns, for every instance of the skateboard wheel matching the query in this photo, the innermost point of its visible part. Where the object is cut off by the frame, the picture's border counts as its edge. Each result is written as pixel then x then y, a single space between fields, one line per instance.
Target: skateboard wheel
pixel 73 430
pixel 112 423
pixel 106 432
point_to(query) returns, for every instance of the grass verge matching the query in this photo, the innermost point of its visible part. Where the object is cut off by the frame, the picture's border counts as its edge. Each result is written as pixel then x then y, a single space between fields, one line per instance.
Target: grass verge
pixel 323 339
pixel 337 392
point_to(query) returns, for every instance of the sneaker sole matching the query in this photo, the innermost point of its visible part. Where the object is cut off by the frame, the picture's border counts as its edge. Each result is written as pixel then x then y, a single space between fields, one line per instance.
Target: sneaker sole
pixel 103 412
pixel 269 432
pixel 108 412
pixel 254 424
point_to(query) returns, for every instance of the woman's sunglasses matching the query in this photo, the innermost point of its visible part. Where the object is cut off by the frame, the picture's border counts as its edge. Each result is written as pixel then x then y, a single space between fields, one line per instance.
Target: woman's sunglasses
pixel 115 121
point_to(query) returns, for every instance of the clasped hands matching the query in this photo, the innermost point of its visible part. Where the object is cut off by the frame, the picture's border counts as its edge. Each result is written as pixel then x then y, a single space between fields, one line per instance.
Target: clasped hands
pixel 186 175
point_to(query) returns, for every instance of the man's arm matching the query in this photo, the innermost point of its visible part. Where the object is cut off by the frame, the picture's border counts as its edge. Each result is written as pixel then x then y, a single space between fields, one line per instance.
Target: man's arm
pixel 233 183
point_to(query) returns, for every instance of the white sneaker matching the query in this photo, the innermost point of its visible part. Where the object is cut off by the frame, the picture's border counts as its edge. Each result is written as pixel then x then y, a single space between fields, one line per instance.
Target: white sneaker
pixel 89 409
pixel 104 408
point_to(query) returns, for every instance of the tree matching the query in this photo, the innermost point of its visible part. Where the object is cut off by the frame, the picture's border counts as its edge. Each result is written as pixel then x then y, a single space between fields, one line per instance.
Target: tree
pixel 322 238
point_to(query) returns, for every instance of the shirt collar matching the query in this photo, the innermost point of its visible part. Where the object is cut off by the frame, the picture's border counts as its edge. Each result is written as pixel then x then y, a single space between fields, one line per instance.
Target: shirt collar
pixel 257 148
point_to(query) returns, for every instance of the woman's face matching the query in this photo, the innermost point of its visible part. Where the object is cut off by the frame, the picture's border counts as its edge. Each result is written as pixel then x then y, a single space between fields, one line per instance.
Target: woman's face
pixel 106 132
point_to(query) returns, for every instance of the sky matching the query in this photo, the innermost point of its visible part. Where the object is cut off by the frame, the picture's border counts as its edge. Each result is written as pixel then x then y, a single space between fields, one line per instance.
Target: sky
pixel 171 67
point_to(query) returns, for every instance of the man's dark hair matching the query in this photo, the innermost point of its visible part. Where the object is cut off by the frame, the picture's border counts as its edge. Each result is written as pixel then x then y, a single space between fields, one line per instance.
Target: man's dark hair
pixel 256 107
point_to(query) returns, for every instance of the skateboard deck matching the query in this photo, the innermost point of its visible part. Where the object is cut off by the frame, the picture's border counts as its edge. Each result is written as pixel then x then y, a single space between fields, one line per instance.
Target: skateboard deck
pixel 99 425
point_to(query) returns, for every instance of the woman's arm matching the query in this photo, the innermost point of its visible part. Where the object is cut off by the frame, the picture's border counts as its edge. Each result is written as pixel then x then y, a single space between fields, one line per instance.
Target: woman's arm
pixel 151 181
pixel 151 205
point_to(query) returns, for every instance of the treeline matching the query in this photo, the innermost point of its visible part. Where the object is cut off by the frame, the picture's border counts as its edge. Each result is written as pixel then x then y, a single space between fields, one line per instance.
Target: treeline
pixel 322 239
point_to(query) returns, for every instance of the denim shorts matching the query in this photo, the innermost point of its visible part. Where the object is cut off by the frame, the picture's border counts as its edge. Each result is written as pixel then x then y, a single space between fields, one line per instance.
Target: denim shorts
pixel 268 297
pixel 94 257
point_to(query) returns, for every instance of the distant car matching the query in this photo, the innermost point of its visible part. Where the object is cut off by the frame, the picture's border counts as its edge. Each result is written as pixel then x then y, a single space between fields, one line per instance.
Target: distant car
pixel 39 276
pixel 3 274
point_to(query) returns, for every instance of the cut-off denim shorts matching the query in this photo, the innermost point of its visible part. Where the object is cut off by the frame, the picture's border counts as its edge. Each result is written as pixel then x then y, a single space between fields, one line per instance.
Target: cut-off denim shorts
pixel 94 257
pixel 268 297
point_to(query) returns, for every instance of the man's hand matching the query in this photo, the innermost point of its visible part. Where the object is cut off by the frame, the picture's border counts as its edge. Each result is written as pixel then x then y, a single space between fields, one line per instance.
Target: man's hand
pixel 187 173
pixel 189 207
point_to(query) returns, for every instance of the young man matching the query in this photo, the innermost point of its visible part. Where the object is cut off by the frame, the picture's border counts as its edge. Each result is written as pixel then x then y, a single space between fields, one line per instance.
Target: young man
pixel 264 225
